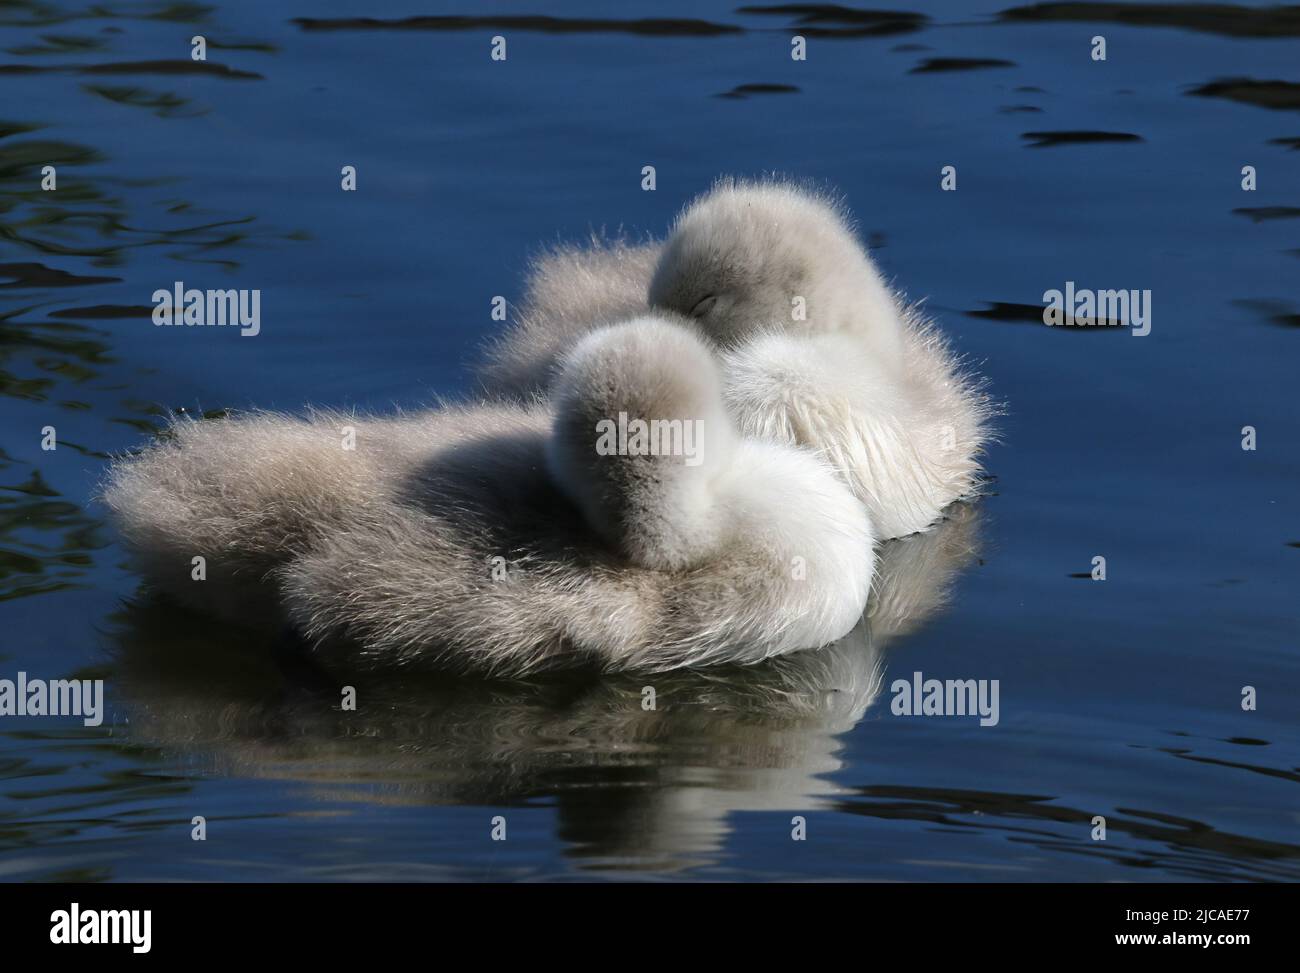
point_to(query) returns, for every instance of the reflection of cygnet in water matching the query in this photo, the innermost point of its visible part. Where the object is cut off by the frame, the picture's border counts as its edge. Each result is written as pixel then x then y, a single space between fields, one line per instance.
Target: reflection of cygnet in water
pixel 632 787
pixel 815 349
pixel 626 558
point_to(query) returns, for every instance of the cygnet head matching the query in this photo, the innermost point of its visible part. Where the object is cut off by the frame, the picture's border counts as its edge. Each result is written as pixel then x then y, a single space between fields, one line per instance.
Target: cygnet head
pixel 640 437
pixel 747 258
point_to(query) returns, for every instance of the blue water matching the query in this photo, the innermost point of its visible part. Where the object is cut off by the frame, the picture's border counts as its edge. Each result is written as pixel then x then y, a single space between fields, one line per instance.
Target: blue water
pixel 1119 698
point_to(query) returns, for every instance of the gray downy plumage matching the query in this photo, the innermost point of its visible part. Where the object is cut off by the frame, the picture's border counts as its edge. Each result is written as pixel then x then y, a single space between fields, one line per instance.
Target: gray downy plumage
pixel 815 349
pixel 483 537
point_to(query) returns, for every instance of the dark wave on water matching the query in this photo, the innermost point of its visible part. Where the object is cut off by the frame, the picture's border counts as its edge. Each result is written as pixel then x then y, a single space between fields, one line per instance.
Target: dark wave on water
pixel 1230 20
pixel 643 27
pixel 748 90
pixel 834 21
pixel 1278 95
pixel 1042 140
pixel 936 65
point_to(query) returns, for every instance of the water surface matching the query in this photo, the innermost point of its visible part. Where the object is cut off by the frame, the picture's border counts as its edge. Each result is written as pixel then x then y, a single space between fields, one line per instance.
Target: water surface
pixel 1119 699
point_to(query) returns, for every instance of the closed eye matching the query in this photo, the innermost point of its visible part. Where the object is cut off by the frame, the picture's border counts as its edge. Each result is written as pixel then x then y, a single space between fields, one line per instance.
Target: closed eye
pixel 704 306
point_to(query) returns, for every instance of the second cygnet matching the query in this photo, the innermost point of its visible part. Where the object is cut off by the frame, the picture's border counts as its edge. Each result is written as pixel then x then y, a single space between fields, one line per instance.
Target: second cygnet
pixel 815 349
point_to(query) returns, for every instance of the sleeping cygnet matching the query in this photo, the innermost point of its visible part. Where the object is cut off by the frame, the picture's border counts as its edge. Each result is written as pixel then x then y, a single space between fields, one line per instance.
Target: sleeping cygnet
pixel 508 538
pixel 815 349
